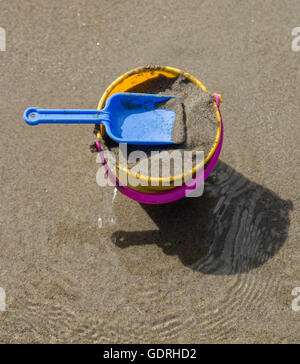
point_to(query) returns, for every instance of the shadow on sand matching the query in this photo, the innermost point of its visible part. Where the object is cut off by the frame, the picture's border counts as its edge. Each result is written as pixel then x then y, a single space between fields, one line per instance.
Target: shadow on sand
pixel 236 226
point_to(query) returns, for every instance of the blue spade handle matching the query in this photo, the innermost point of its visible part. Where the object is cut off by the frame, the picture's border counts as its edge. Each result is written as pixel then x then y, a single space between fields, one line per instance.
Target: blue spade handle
pixel 34 116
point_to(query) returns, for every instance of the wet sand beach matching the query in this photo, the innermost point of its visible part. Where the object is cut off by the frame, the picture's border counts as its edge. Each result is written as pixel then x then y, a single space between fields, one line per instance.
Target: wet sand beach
pixel 216 269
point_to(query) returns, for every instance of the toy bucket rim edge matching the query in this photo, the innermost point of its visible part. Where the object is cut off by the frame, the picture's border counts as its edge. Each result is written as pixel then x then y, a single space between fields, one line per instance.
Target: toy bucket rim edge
pixel 176 72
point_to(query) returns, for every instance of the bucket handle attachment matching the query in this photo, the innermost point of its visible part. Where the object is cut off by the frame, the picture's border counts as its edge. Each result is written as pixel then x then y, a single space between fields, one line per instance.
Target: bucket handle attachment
pixel 218 99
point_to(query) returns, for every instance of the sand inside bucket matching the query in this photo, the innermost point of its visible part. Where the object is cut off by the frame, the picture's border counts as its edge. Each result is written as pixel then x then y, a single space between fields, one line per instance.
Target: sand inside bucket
pixel 195 127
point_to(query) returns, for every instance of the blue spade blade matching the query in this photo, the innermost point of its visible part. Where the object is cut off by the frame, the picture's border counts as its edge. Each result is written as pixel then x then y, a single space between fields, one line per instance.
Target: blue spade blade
pixel 128 118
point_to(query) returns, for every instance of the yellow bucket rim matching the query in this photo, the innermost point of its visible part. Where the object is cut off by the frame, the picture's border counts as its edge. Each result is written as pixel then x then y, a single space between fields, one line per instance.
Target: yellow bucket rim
pixel 176 72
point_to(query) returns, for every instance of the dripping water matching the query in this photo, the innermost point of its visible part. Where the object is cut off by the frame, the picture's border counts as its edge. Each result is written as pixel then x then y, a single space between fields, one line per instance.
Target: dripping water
pixel 108 219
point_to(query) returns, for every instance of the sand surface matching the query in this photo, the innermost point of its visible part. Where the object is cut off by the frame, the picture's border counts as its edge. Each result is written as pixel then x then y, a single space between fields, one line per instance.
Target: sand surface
pixel 220 268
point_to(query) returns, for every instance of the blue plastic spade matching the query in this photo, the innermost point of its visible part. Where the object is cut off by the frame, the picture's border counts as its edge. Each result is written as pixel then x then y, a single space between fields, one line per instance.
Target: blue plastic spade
pixel 128 118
